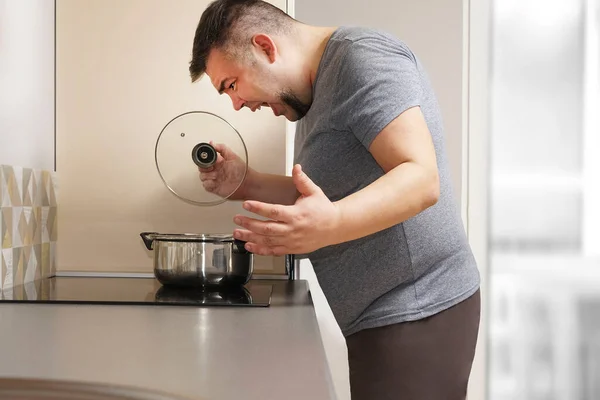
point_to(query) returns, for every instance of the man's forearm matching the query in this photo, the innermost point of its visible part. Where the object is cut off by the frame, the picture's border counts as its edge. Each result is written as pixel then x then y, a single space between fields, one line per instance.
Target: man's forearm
pixel 270 188
pixel 395 197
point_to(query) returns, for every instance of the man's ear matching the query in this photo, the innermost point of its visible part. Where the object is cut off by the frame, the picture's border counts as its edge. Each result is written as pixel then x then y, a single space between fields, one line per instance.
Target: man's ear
pixel 265 46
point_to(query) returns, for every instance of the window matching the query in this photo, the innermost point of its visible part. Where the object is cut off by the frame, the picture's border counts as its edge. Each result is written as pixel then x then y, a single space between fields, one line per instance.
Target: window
pixel 544 200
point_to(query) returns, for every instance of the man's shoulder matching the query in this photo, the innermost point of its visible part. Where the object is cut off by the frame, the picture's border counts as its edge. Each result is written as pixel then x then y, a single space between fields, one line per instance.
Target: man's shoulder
pixel 362 46
pixel 365 35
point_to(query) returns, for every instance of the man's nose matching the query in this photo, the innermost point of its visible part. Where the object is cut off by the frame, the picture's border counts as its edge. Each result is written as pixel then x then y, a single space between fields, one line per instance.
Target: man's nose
pixel 237 102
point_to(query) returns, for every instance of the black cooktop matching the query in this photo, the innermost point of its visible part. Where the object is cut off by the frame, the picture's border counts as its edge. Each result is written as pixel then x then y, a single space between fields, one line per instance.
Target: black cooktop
pixel 133 291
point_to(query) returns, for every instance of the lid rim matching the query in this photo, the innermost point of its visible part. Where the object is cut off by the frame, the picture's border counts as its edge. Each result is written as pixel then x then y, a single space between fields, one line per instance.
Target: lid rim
pixel 215 199
pixel 193 237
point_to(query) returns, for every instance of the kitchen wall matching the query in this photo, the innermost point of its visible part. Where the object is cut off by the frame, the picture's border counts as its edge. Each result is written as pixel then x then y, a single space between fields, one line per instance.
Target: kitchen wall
pixel 434 30
pixel 28 207
pixel 121 77
pixel 28 225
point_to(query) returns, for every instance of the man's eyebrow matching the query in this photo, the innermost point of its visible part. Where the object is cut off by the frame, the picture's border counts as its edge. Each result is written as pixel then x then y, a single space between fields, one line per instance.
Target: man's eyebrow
pixel 222 86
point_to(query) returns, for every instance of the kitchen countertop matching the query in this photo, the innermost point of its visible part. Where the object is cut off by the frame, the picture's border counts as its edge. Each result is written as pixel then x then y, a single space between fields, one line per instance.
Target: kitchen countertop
pixel 212 353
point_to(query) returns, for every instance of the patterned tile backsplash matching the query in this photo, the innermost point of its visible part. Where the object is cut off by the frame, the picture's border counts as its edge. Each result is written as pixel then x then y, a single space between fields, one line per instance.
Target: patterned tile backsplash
pixel 28 225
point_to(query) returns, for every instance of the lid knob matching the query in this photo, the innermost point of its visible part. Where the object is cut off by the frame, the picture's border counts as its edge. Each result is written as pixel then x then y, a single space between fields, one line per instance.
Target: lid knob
pixel 204 155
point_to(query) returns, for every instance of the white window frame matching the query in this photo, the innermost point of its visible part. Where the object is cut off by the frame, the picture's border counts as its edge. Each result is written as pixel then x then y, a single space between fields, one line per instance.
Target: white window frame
pixel 475 138
pixel 591 131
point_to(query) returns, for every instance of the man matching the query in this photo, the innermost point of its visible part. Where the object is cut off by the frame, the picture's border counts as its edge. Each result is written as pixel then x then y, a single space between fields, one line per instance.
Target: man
pixel 370 199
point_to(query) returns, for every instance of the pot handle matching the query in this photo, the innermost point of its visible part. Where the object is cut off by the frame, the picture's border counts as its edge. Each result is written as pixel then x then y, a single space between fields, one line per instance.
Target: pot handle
pixel 238 246
pixel 148 238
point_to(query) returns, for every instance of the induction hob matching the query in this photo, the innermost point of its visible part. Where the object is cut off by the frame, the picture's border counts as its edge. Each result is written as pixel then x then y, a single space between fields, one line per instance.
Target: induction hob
pixel 133 291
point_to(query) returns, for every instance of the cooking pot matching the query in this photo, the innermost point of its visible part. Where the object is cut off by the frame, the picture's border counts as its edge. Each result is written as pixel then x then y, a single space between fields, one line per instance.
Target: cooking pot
pixel 199 259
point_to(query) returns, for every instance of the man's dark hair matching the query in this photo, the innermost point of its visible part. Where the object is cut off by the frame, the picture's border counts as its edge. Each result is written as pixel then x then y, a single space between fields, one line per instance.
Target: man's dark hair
pixel 229 24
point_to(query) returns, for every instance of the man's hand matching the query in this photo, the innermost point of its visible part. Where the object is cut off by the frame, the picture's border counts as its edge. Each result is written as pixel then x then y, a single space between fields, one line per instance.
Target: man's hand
pixel 301 228
pixel 225 175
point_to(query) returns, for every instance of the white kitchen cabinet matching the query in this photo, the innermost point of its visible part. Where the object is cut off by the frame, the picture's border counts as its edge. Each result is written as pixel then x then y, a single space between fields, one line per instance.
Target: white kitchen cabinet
pixel 27 83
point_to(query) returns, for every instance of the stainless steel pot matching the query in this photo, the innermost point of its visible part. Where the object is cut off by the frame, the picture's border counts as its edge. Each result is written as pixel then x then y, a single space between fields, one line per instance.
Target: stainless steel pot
pixel 199 259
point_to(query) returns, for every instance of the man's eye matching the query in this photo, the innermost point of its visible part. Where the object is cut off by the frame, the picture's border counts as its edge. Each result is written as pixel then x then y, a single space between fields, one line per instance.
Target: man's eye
pixel 232 86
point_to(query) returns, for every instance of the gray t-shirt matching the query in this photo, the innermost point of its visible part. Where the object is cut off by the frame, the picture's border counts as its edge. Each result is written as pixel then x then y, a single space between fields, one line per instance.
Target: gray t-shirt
pixel 412 270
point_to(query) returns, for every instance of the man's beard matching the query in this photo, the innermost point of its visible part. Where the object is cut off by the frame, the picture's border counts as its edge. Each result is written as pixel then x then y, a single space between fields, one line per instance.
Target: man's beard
pixel 294 102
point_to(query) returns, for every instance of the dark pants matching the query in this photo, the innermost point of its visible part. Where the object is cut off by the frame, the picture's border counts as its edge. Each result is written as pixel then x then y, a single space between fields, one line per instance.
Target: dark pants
pixel 428 359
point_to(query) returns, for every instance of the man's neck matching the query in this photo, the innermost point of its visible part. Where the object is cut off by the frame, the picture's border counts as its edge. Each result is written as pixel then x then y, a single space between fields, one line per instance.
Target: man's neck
pixel 315 44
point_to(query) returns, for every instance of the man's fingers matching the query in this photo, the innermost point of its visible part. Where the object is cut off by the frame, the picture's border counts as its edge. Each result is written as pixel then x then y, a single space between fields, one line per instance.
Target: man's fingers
pixel 266 250
pixel 209 186
pixel 251 237
pixel 268 228
pixel 275 212
pixel 224 152
pixel 208 176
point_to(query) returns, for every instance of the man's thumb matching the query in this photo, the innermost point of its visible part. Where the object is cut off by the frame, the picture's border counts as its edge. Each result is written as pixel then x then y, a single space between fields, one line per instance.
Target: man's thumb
pixel 303 183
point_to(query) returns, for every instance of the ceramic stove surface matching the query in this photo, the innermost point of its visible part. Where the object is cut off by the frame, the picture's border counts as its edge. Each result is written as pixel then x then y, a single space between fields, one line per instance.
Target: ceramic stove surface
pixel 137 291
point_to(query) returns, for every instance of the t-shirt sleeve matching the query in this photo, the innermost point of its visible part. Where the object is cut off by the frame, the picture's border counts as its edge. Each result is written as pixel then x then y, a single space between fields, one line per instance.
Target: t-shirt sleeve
pixel 377 82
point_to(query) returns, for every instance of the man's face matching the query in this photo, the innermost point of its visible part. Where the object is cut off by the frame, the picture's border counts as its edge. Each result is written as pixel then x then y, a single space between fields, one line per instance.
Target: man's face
pixel 250 83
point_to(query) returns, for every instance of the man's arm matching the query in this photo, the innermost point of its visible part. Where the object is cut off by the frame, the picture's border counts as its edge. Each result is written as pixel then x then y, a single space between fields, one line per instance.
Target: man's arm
pixel 223 178
pixel 405 152
pixel 269 188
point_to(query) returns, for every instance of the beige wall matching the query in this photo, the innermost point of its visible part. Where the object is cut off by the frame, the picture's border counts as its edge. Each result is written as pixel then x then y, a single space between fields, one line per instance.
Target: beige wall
pixel 121 76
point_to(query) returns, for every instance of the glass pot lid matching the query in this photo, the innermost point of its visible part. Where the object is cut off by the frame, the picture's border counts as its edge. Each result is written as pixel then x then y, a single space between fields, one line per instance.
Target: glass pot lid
pixel 186 144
